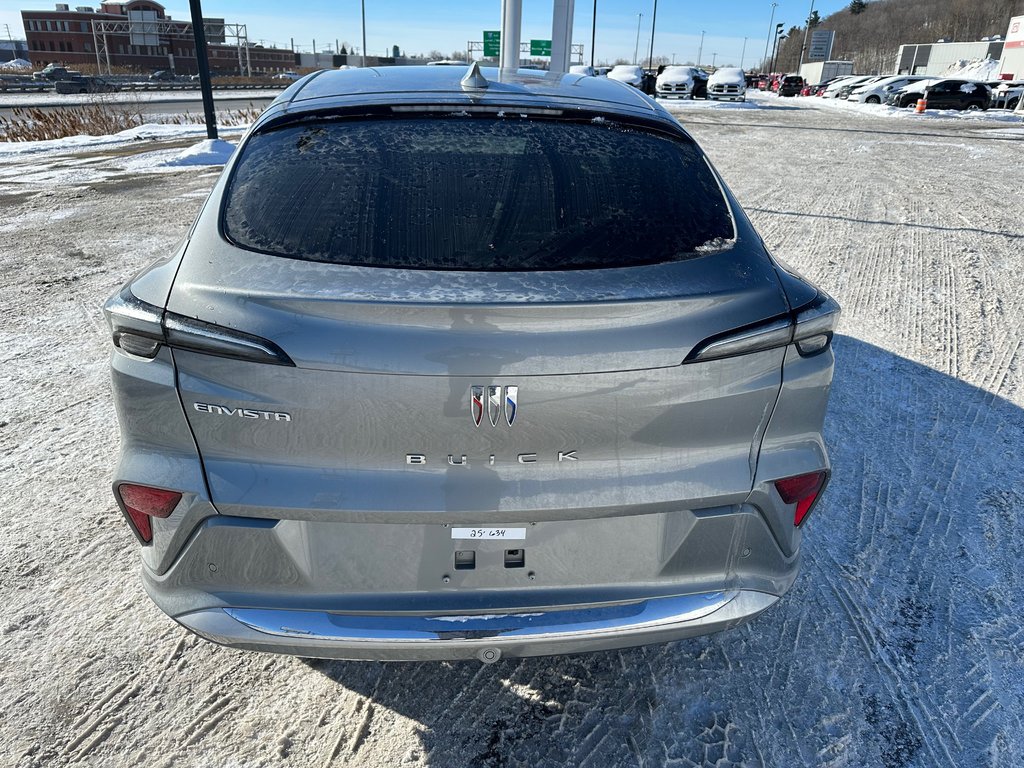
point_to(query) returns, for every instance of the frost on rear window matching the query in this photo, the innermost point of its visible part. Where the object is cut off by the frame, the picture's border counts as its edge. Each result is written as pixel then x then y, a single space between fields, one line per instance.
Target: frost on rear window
pixel 474 194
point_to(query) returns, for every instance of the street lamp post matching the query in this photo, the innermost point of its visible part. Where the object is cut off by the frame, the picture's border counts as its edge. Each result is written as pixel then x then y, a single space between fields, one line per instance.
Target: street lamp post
pixel 654 19
pixel 700 49
pixel 636 48
pixel 807 29
pixel 363 5
pixel 744 54
pixel 777 48
pixel 714 56
pixel 593 35
pixel 768 39
pixel 673 59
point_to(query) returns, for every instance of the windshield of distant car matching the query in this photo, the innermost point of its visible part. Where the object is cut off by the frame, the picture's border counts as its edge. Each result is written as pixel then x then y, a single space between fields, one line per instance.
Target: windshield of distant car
pixel 478 193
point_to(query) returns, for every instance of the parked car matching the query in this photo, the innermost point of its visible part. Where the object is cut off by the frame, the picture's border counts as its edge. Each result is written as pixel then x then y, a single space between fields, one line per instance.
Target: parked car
pixel 675 81
pixel 629 74
pixel 949 93
pixel 582 69
pixel 832 89
pixel 790 85
pixel 847 88
pixel 82 84
pixel 1007 94
pixel 875 93
pixel 727 84
pixel 350 432
pixel 163 75
pixel 292 76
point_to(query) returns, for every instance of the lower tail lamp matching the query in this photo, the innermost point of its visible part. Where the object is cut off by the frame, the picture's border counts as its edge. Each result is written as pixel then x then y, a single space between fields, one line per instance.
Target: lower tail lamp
pixel 140 503
pixel 802 490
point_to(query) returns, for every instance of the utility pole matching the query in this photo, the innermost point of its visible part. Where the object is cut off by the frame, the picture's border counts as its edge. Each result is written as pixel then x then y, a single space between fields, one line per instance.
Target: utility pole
pixel 363 5
pixel 768 39
pixel 636 48
pixel 654 19
pixel 593 34
pixel 807 29
pixel 203 62
pixel 700 50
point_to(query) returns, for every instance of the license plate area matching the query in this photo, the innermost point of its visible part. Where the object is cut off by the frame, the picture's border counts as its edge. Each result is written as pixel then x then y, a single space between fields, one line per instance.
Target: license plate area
pixel 489 533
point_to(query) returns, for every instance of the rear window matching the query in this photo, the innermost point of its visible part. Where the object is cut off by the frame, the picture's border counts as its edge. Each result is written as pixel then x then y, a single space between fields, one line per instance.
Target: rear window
pixel 480 193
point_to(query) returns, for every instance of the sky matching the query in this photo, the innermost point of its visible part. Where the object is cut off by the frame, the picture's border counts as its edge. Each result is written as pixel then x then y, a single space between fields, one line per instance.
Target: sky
pixel 416 26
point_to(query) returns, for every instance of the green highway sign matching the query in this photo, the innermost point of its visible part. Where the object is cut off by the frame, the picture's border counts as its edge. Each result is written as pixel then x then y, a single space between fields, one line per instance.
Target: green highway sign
pixel 492 43
pixel 540 47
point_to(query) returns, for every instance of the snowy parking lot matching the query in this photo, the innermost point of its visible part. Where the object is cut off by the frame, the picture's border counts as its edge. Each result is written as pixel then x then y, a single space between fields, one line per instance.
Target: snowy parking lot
pixel 902 643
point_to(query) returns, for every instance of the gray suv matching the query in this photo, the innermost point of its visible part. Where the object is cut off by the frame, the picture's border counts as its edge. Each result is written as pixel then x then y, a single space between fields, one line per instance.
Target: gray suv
pixel 455 367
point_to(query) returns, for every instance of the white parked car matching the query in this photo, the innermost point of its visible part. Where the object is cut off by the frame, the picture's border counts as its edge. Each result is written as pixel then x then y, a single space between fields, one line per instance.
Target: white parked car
pixel 675 81
pixel 630 74
pixel 582 69
pixel 293 76
pixel 875 93
pixel 1007 95
pixel 729 83
pixel 836 85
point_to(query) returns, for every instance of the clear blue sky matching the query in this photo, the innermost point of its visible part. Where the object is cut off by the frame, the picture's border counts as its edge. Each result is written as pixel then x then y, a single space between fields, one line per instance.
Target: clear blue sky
pixel 418 26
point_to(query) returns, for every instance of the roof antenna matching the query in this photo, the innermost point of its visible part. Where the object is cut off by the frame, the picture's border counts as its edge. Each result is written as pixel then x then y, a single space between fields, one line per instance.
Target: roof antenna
pixel 473 78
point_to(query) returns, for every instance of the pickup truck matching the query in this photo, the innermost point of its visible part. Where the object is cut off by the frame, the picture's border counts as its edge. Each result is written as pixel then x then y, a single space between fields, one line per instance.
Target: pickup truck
pixel 53 73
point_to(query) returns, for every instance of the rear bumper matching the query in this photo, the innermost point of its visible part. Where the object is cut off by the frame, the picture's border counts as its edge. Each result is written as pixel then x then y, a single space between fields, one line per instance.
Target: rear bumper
pixel 486 637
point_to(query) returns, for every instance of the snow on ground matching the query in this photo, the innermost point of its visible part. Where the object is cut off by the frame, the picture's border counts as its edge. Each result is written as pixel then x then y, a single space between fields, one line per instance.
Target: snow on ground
pixel 900 644
pixel 16 65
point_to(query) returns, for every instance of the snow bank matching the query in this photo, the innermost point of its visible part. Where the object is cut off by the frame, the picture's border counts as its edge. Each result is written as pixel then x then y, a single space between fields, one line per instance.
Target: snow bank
pixel 16 65
pixel 147 132
pixel 209 152
pixel 974 69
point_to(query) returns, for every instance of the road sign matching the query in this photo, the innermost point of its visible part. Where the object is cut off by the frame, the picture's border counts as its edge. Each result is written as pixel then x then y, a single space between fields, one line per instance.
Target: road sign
pixel 821 45
pixel 492 43
pixel 540 47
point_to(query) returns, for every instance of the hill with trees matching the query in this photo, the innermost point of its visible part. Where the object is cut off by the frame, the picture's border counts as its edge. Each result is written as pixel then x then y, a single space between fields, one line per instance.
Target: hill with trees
pixel 870 33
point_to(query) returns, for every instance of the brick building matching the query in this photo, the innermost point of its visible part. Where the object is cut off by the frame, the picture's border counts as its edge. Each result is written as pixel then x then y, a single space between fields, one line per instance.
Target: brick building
pixel 142 36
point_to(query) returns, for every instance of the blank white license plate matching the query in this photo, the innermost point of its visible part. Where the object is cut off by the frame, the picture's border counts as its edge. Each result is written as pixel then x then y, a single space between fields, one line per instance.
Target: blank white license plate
pixel 489 533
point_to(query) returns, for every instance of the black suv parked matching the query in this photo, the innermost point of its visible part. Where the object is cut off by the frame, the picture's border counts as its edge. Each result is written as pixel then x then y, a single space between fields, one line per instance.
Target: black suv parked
pixel 791 85
pixel 945 94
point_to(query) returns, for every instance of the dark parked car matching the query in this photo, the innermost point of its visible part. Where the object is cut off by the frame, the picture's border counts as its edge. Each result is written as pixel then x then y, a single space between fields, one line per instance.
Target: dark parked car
pixel 82 84
pixel 54 72
pixel 519 382
pixel 163 75
pixel 944 94
pixel 791 85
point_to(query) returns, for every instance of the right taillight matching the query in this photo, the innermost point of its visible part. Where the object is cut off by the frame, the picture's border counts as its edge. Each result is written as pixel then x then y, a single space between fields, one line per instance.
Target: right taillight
pixel 809 328
pixel 141 502
pixel 802 490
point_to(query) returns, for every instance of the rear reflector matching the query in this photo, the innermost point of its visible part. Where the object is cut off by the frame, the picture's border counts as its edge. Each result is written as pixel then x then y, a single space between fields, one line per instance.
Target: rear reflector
pixel 802 490
pixel 141 502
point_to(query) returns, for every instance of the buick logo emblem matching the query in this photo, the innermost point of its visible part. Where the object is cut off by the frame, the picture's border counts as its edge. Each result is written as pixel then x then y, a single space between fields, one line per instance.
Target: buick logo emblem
pixel 496 402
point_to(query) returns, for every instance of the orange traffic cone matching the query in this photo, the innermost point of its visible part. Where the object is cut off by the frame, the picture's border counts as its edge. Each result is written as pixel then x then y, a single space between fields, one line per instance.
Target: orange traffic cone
pixel 922 105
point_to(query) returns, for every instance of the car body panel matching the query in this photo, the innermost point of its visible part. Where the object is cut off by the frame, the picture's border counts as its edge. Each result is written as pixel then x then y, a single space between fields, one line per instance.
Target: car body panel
pixel 327 493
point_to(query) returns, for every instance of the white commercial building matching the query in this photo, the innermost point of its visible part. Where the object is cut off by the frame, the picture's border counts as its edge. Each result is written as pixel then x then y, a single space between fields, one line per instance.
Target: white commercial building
pixel 1012 62
pixel 936 58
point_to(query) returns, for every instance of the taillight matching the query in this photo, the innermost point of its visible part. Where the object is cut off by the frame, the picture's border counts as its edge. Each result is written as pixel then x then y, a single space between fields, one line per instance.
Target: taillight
pixel 810 328
pixel 140 329
pixel 802 490
pixel 140 503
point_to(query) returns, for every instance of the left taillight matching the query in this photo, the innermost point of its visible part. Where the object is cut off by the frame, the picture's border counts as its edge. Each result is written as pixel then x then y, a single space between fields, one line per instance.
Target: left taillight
pixel 140 329
pixel 141 502
pixel 802 490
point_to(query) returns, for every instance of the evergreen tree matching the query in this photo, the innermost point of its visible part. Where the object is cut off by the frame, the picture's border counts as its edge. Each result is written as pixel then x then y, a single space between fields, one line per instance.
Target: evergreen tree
pixel 857 6
pixel 814 20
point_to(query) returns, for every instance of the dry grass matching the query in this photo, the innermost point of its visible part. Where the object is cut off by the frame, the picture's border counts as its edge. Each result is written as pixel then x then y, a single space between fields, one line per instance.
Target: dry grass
pixel 101 118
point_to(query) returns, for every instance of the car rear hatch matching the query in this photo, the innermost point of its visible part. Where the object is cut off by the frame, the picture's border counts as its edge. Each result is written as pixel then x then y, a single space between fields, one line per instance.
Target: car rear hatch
pixel 395 393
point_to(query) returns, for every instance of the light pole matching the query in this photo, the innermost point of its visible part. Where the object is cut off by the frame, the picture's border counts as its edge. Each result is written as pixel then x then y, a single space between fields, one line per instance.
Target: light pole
pixel 636 48
pixel 363 5
pixel 777 48
pixel 768 39
pixel 807 29
pixel 673 59
pixel 700 49
pixel 654 19
pixel 713 57
pixel 743 55
pixel 593 35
